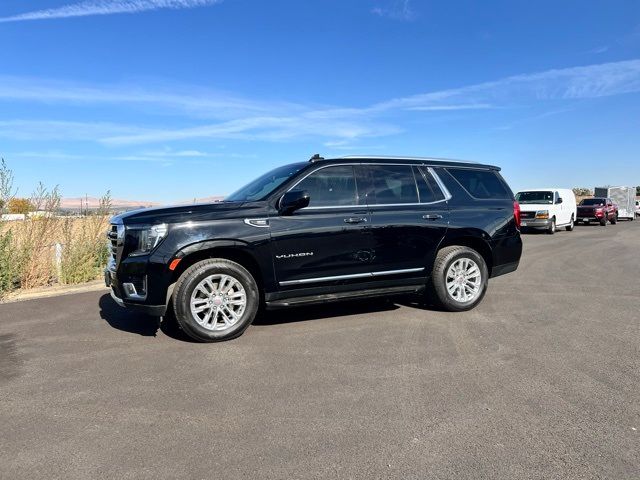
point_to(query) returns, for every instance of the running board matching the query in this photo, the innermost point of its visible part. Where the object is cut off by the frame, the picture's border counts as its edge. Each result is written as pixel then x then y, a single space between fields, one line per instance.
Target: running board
pixel 353 295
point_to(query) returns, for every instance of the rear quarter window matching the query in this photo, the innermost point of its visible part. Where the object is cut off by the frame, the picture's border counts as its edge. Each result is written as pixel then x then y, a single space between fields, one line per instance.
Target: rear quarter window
pixel 483 184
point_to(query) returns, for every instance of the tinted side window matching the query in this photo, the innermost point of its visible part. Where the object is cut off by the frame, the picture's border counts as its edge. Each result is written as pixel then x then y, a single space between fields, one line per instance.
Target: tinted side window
pixel 331 186
pixel 393 184
pixel 480 183
pixel 428 189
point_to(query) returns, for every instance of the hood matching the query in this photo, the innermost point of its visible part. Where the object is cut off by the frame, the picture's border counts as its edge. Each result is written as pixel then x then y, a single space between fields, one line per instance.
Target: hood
pixel 184 213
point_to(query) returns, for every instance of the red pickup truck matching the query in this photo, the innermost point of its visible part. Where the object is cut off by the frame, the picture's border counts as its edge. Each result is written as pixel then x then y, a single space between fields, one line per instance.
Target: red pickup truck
pixel 597 210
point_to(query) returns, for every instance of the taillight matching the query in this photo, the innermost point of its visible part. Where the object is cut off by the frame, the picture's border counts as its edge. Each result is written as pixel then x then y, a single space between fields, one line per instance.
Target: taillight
pixel 516 213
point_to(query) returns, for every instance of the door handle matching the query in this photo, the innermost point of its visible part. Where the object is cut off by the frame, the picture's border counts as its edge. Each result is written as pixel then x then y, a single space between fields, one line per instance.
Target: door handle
pixel 355 220
pixel 433 216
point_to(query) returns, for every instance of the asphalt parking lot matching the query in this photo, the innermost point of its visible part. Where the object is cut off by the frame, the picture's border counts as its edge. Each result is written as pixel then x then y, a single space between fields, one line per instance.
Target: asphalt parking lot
pixel 542 380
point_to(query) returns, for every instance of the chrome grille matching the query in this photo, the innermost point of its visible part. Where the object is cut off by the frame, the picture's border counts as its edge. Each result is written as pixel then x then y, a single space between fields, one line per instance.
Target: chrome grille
pixel 115 239
pixel 527 215
pixel 112 235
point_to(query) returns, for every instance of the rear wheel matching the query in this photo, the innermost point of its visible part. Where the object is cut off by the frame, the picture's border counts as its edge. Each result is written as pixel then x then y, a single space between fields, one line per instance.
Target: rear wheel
pixel 215 300
pixel 614 219
pixel 459 279
pixel 571 225
pixel 603 221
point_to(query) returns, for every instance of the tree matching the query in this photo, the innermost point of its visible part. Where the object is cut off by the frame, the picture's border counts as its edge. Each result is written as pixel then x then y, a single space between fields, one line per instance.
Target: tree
pixel 582 192
pixel 20 205
pixel 6 185
pixel 638 191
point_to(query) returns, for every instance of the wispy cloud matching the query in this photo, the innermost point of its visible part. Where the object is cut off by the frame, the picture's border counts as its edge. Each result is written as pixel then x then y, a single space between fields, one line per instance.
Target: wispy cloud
pixel 204 114
pixel 106 7
pixel 589 81
pixel 186 99
pixel 38 130
pixel 263 128
pixel 396 10
pixel 600 49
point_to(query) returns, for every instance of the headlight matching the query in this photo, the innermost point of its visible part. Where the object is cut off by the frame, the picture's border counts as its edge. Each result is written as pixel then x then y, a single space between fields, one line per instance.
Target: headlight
pixel 542 214
pixel 146 237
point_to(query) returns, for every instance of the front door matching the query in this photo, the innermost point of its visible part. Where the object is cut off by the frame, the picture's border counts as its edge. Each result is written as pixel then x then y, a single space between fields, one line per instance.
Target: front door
pixel 328 241
pixel 409 218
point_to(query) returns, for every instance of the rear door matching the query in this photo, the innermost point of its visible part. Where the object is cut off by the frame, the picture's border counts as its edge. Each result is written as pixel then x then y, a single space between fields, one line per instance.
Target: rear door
pixel 329 240
pixel 409 218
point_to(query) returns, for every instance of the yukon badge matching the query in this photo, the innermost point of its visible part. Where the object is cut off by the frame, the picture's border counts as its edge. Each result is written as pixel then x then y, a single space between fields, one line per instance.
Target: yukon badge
pixel 294 255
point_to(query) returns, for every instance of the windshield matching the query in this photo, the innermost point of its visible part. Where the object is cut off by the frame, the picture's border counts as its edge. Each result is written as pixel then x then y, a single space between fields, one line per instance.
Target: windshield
pixel 535 197
pixel 592 201
pixel 265 184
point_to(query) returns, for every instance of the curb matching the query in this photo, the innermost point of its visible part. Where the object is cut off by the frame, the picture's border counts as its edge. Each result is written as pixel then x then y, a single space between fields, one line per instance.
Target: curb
pixel 54 291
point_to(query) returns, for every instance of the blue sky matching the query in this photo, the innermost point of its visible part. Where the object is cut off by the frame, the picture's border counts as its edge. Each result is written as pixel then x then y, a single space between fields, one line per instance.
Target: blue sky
pixel 168 100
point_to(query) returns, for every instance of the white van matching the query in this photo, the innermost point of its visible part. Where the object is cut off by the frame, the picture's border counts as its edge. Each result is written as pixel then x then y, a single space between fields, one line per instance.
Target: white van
pixel 547 208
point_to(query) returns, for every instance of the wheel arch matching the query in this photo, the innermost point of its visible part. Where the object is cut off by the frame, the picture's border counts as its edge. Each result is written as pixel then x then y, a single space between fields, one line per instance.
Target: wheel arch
pixel 228 250
pixel 473 241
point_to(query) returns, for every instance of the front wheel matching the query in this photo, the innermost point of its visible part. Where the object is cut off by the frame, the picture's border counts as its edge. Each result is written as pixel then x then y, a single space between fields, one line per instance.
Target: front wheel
pixel 215 299
pixel 552 228
pixel 614 219
pixel 459 279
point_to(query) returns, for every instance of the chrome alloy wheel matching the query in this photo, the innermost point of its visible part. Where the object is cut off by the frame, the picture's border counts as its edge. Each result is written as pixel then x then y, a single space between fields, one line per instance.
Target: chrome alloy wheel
pixel 218 302
pixel 463 280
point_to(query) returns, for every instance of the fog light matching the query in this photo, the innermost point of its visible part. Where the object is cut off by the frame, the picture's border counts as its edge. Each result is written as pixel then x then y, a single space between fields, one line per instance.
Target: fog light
pixel 130 289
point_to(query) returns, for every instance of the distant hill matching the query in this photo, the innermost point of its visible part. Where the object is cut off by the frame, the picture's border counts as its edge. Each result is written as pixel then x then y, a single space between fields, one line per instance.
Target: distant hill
pixel 94 202
pixel 76 203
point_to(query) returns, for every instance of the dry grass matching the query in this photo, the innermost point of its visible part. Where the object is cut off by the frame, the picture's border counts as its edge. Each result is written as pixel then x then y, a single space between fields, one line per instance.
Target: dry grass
pixel 29 257
pixel 28 251
pixel 28 247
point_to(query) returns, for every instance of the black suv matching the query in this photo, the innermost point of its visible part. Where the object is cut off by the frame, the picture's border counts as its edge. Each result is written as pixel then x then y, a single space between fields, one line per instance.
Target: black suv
pixel 316 231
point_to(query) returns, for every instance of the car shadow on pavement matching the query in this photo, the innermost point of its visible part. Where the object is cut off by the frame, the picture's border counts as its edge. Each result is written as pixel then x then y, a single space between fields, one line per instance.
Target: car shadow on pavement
pixel 148 326
pixel 138 323
pixel 126 320
pixel 324 310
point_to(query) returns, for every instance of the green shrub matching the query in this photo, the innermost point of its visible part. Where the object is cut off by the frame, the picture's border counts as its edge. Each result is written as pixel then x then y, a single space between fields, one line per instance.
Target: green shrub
pixel 8 270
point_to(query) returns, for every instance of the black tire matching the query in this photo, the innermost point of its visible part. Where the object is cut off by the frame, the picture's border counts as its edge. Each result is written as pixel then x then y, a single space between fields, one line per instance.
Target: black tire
pixel 437 284
pixel 603 221
pixel 552 228
pixel 188 281
pixel 569 227
pixel 614 219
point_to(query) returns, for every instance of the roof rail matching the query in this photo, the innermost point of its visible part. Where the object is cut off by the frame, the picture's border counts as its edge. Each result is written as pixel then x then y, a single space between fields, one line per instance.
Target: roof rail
pixel 396 157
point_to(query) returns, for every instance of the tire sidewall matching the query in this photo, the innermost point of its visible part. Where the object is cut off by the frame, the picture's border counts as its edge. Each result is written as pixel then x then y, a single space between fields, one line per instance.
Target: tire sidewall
pixel 571 224
pixel 440 281
pixel 193 276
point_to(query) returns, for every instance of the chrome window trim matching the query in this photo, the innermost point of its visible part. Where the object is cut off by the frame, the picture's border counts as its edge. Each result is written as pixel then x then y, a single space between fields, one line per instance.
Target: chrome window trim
pixel 443 188
pixel 441 185
pixel 350 276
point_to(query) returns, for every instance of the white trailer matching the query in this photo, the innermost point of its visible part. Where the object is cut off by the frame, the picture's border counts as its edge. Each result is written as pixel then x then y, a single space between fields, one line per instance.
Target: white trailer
pixel 625 197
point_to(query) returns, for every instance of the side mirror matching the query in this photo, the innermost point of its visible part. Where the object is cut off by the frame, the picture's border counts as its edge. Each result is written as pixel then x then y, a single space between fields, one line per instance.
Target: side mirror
pixel 292 201
pixel 559 200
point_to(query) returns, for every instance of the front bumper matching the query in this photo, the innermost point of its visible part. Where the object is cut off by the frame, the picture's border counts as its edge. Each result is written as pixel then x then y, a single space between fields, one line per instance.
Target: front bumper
pixel 119 296
pixel 589 218
pixel 535 222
